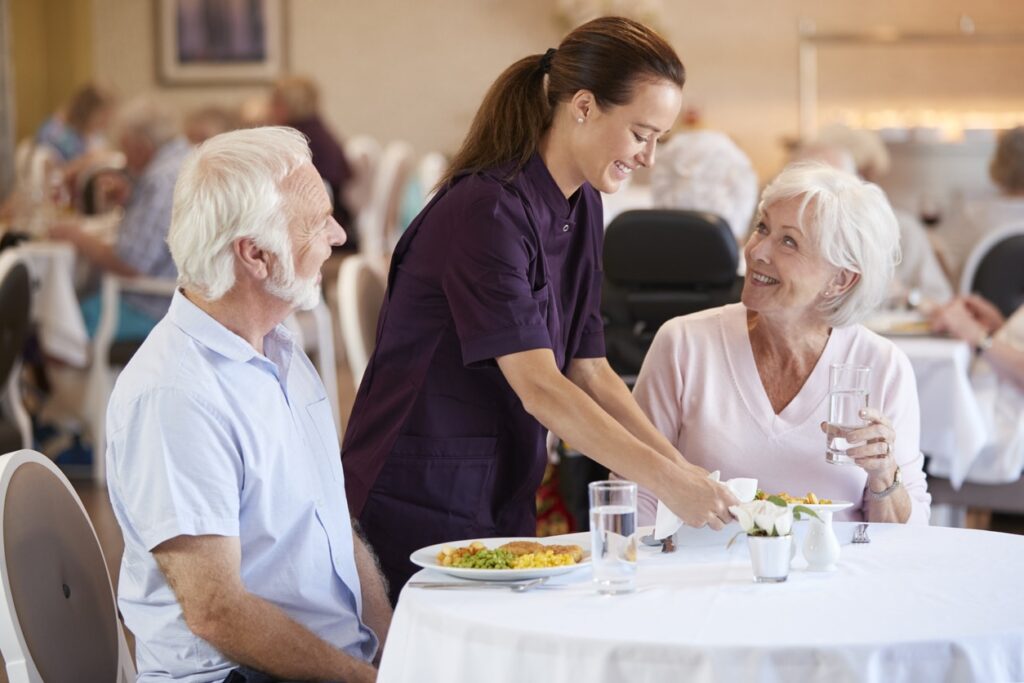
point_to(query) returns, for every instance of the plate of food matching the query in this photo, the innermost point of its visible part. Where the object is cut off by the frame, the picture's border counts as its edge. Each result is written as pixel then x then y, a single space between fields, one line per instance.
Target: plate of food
pixel 811 500
pixel 502 559
pixel 899 324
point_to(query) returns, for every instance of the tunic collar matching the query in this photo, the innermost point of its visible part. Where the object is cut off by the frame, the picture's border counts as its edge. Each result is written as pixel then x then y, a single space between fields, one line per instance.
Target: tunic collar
pixel 544 187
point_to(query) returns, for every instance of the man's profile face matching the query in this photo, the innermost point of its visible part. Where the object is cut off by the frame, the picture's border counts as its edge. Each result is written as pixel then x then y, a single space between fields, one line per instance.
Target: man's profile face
pixel 312 231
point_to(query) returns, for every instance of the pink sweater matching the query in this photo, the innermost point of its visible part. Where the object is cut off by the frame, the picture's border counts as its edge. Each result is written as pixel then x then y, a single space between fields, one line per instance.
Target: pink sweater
pixel 701 389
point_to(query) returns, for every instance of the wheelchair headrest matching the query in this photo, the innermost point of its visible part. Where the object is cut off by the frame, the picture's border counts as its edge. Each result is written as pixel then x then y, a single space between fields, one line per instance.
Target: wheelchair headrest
pixel 670 248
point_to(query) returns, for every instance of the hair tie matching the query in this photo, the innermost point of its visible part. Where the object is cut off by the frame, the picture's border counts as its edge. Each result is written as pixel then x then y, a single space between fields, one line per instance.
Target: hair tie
pixel 545 61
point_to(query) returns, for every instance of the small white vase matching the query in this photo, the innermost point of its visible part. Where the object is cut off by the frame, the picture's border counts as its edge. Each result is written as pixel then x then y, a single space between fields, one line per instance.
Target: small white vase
pixel 769 557
pixel 821 547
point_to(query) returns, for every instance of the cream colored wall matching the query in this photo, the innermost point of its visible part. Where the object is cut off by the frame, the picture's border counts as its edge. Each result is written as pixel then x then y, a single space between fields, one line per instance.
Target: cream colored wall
pixel 416 69
pixel 52 56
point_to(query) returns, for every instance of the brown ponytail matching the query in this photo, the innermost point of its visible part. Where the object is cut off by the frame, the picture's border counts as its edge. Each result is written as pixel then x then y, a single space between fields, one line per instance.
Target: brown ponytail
pixel 606 56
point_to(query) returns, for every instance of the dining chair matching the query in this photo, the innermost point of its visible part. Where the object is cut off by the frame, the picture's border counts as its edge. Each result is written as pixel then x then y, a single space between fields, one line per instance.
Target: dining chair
pixel 363 155
pixel 994 269
pixel 15 308
pixel 429 171
pixel 379 227
pixel 110 355
pixel 314 332
pixel 659 264
pixel 361 288
pixel 58 615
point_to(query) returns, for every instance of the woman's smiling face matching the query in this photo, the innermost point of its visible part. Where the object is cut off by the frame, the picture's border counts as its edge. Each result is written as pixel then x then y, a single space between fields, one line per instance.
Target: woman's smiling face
pixel 786 272
pixel 611 143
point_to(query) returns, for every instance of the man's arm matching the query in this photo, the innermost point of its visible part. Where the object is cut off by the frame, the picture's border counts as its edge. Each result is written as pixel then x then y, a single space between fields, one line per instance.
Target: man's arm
pixel 103 255
pixel 596 377
pixel 561 406
pixel 376 606
pixel 205 574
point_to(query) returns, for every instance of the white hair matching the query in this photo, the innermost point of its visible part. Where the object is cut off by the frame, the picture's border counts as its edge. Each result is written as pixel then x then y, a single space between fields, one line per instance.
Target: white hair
pixel 854 228
pixel 229 188
pixel 869 152
pixel 148 117
pixel 706 171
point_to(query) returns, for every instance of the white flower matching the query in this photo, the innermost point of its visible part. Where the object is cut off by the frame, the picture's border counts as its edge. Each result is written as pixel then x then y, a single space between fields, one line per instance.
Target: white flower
pixel 743 515
pixel 784 523
pixel 764 516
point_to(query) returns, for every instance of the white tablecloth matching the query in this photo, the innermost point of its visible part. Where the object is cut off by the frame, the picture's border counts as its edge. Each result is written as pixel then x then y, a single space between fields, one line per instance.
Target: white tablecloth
pixel 55 306
pixel 953 426
pixel 916 604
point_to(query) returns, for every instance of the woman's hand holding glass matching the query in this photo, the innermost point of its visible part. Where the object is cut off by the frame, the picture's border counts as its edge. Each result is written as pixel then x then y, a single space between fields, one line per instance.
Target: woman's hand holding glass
pixel 877 438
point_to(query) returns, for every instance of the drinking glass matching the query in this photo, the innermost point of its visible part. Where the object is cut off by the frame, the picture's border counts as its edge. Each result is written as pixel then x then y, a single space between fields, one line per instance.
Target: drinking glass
pixel 613 535
pixel 847 396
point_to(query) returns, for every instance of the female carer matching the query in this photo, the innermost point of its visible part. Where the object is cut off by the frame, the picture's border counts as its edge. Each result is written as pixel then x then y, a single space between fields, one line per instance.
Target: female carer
pixel 491 330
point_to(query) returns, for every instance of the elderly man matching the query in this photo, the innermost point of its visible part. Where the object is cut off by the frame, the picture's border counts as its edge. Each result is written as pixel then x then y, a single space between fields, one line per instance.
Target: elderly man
pixel 240 560
pixel 295 101
pixel 147 133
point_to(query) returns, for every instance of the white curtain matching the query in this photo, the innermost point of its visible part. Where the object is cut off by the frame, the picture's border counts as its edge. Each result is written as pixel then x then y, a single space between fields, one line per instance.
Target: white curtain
pixel 6 104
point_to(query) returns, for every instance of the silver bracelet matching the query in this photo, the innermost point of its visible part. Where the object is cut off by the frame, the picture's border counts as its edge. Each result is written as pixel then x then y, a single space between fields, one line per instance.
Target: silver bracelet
pixel 897 481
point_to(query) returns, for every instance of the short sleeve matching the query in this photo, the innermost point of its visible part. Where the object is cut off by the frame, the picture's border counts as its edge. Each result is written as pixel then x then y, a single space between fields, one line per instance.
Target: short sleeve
pixel 487 281
pixel 177 467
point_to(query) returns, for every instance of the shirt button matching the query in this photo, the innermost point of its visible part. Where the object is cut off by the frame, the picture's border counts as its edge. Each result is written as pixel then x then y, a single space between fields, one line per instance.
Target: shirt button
pixel 565 228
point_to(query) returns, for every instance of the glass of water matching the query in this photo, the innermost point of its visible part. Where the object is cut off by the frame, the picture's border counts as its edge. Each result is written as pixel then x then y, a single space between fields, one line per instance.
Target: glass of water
pixel 847 396
pixel 613 535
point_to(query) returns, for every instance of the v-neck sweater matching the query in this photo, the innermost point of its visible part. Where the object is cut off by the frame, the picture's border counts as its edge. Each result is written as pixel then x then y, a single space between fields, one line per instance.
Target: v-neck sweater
pixel 700 386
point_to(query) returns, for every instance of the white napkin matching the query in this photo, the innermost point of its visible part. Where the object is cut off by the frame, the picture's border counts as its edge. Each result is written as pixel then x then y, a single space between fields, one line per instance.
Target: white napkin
pixel 666 523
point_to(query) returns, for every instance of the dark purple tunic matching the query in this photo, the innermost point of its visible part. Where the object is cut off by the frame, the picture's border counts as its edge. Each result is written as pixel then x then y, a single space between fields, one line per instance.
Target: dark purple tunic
pixel 439 447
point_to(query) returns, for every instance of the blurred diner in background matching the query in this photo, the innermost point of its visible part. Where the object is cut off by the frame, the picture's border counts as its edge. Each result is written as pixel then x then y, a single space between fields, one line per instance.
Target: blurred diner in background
pixel 765 262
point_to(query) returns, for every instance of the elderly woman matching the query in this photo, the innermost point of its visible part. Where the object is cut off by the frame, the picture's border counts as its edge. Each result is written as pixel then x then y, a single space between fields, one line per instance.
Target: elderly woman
pixel 998 376
pixel 978 217
pixel 744 388
pixel 705 171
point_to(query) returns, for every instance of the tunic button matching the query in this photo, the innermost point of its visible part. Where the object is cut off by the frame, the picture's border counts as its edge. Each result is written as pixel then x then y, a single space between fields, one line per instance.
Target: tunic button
pixel 565 228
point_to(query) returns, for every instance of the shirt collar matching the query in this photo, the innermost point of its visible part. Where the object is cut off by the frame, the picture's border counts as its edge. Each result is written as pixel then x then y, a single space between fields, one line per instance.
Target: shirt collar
pixel 546 189
pixel 198 324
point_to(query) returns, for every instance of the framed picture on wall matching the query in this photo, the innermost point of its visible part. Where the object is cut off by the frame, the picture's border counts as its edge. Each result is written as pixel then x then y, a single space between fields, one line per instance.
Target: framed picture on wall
pixel 219 41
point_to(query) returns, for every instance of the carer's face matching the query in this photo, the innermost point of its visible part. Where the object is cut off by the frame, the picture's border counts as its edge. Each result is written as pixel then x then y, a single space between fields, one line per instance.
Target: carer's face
pixel 615 141
pixel 786 274
pixel 311 226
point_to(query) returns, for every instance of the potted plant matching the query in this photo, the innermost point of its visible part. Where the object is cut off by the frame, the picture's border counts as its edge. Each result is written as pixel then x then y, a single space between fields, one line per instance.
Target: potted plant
pixel 768 525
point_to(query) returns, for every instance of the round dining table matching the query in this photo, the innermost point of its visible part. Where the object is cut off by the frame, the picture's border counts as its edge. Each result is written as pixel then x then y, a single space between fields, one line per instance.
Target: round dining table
pixel 921 604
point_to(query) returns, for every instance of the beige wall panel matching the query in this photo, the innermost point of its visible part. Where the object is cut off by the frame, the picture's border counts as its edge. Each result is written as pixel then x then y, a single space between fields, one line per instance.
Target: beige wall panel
pixel 416 69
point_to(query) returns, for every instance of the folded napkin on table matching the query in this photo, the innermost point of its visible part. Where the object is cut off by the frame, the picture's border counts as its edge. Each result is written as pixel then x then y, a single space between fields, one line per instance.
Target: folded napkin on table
pixel 666 523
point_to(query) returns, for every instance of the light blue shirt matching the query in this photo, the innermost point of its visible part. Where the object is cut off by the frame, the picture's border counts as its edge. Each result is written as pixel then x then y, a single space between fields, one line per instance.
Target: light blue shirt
pixel 207 436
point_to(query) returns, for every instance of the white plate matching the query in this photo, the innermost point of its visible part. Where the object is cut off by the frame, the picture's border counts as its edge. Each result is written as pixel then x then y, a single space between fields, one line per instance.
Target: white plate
pixel 822 507
pixel 427 558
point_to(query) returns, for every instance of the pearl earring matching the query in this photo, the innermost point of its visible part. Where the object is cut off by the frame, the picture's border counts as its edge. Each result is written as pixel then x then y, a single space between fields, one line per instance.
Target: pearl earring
pixel 579 120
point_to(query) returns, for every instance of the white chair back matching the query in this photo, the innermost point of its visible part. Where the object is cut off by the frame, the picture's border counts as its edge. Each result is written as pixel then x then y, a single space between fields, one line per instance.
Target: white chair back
pixel 314 331
pixel 361 288
pixel 102 372
pixel 429 172
pixel 22 159
pixel 58 616
pixel 363 155
pixel 379 233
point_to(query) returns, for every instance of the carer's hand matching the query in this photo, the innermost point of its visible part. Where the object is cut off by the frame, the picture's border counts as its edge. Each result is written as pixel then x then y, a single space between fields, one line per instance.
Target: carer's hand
pixel 697 500
pixel 874 456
